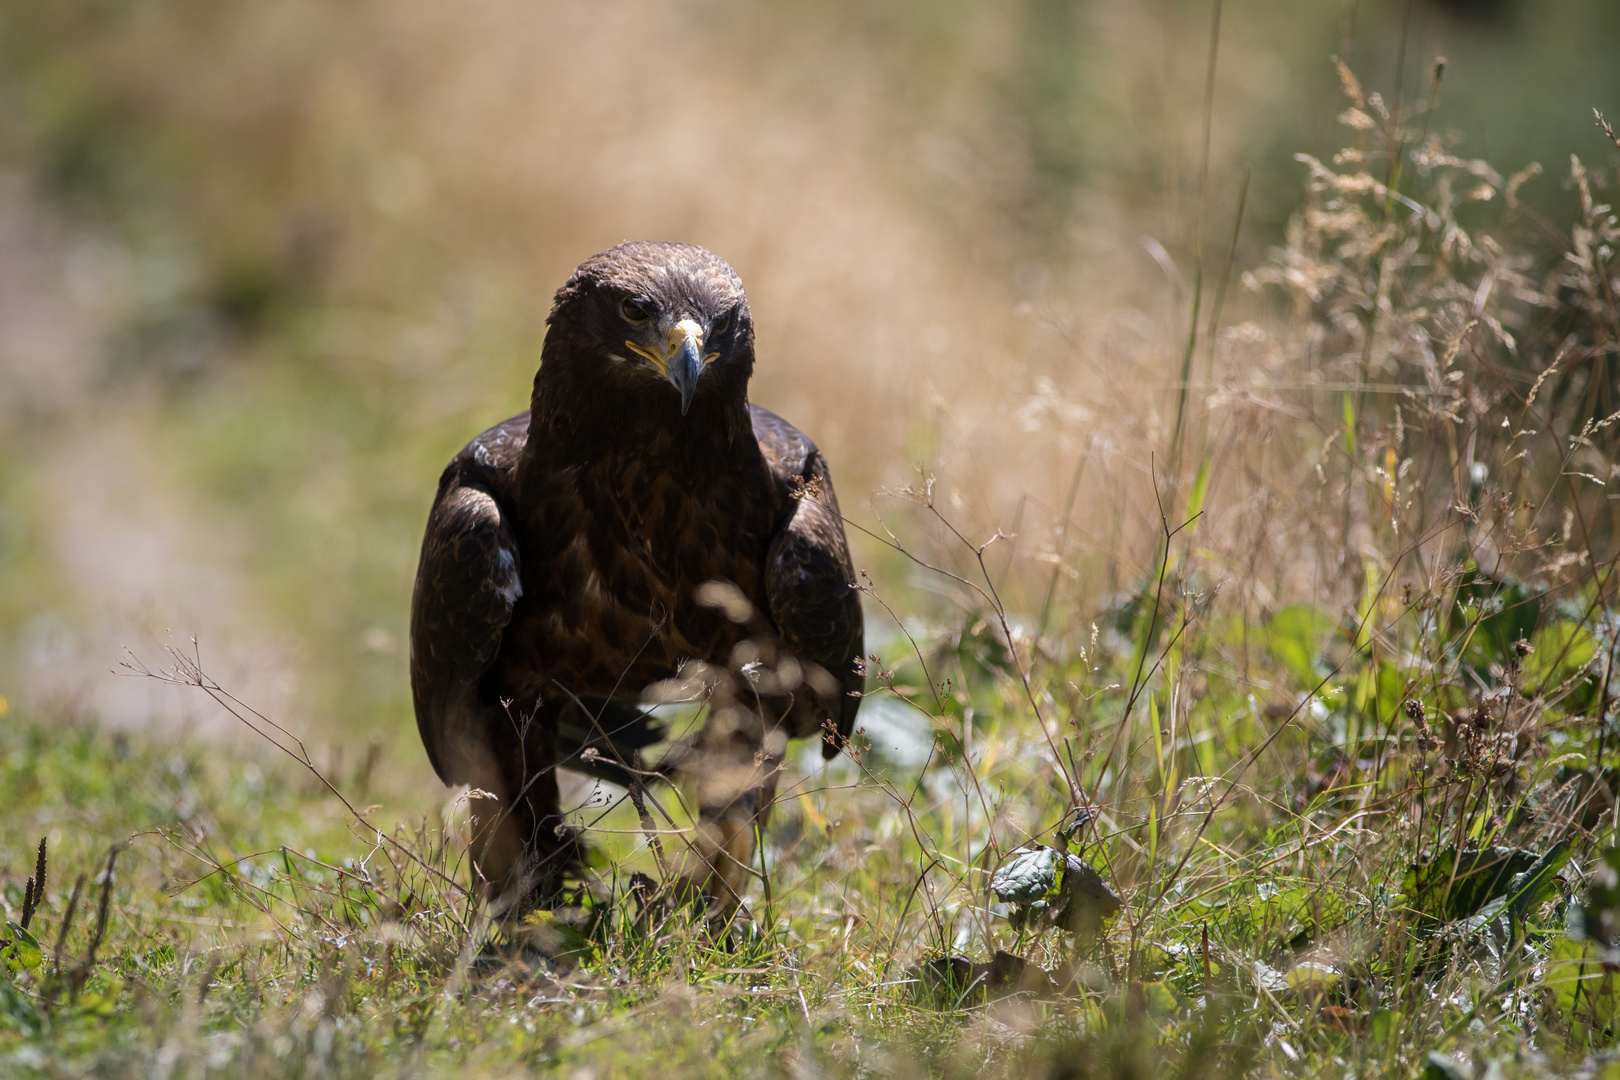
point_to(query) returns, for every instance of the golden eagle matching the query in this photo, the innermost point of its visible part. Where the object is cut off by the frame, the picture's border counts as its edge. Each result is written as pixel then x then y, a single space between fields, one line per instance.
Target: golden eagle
pixel 643 521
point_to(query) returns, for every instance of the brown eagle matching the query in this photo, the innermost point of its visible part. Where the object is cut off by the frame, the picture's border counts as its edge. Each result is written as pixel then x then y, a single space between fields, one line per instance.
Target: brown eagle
pixel 643 521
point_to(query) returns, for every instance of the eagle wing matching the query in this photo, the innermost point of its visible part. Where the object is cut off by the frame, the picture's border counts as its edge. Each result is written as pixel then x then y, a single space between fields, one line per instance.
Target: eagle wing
pixel 810 580
pixel 467 583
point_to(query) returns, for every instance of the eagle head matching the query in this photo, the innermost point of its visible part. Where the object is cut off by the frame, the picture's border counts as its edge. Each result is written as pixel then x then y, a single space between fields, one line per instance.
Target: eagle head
pixel 657 320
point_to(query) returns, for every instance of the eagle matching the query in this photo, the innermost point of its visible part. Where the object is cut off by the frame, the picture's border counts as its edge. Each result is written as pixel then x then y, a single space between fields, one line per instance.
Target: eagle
pixel 642 525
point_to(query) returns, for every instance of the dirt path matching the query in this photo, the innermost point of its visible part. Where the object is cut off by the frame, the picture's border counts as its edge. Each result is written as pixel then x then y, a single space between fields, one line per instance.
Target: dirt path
pixel 120 554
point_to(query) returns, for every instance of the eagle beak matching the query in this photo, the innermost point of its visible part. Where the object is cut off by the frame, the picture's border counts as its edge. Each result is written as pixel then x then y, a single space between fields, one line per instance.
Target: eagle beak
pixel 681 361
pixel 686 360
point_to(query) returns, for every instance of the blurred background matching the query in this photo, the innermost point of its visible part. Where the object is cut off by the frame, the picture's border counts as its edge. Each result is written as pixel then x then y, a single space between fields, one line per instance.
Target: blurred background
pixel 265 267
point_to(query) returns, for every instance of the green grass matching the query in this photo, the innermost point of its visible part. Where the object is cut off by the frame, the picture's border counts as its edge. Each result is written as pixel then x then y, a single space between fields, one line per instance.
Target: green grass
pixel 1283 844
pixel 1344 743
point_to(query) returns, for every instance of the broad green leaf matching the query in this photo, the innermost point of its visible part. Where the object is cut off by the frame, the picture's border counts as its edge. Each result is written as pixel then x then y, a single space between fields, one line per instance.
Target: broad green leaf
pixel 1536 884
pixel 1027 875
pixel 1312 976
pixel 1295 636
pixel 1493 615
pixel 1450 886
pixel 24 951
pixel 1159 999
pixel 1583 991
pixel 1560 652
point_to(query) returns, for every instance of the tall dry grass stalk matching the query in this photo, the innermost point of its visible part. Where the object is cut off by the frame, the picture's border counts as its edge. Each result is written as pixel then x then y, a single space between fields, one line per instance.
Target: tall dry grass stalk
pixel 1283 684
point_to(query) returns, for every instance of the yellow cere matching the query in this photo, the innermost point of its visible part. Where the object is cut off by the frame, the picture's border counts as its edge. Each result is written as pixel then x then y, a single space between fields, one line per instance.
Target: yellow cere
pixel 657 361
pixel 686 328
pixel 679 334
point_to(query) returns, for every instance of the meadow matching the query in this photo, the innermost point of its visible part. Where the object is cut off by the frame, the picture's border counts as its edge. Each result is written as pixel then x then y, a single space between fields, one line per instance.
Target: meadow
pixel 1241 598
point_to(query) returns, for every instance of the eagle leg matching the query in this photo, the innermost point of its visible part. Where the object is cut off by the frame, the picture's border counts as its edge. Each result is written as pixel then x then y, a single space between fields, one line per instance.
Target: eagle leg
pixel 521 845
pixel 735 769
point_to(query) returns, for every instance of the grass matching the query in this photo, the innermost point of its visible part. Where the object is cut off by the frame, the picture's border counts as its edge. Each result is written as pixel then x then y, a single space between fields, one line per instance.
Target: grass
pixel 1360 853
pixel 1340 733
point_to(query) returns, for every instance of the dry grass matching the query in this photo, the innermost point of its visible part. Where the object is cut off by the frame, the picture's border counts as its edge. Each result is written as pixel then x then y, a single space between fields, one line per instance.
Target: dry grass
pixel 1301 594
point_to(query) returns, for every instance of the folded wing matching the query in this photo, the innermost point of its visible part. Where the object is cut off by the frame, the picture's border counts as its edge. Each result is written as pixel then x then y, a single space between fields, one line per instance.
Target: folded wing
pixel 466 585
pixel 810 582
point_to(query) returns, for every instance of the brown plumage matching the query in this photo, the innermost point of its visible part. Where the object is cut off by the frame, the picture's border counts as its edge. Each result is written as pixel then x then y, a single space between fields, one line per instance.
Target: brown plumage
pixel 642 521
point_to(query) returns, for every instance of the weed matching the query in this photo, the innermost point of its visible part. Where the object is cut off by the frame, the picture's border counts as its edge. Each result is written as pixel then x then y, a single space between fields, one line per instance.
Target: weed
pixel 1335 772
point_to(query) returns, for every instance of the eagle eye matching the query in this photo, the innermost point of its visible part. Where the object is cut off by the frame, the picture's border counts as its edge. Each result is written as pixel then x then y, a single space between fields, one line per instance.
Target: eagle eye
pixel 723 323
pixel 634 310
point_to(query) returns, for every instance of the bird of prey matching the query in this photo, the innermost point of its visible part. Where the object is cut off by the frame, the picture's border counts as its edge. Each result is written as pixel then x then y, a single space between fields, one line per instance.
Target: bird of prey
pixel 641 522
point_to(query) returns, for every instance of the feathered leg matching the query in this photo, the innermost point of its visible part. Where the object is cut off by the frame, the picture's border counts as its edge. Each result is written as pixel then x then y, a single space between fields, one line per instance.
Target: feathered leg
pixel 736 767
pixel 521 845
